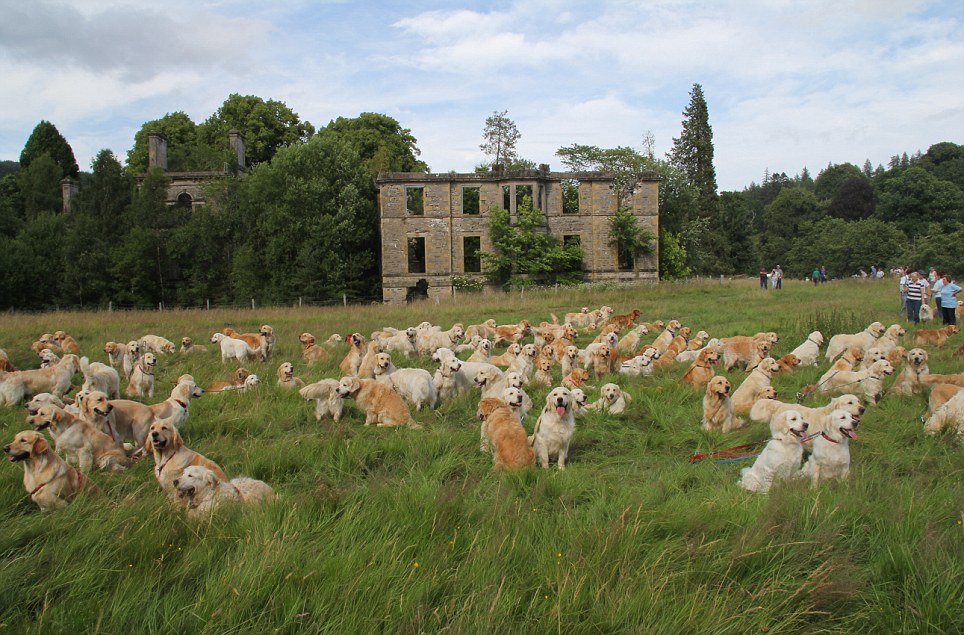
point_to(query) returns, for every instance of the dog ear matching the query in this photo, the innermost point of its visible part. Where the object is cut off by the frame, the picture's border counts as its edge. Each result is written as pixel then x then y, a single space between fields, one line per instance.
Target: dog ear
pixel 176 441
pixel 40 445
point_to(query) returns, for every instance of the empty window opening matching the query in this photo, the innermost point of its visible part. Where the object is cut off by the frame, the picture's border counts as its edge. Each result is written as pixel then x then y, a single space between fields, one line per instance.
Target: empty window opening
pixel 418 292
pixel 521 192
pixel 472 254
pixel 470 200
pixel 507 197
pixel 185 200
pixel 416 255
pixel 415 200
pixel 626 260
pixel 572 240
pixel 570 196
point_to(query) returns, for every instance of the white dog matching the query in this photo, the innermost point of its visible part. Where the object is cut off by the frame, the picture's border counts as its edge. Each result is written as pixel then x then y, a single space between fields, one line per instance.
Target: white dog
pixel 100 377
pixel 201 490
pixel 325 395
pixel 449 380
pixel 863 340
pixel 612 400
pixel 830 457
pixel 781 457
pixel 554 428
pixel 413 384
pixel 809 351
pixel 158 344
pixel 232 348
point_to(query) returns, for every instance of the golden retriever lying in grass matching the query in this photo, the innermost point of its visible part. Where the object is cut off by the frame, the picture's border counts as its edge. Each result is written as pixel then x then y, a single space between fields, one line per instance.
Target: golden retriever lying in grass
pixel 934 337
pixel 172 457
pixel 503 435
pixel 200 490
pixel 50 482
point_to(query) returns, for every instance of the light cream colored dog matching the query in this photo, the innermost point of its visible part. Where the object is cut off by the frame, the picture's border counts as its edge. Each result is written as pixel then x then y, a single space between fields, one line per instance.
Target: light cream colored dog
pixel 491 381
pixel 612 399
pixel 159 345
pixel 234 348
pixel 871 356
pixel 101 377
pixel 891 338
pixel 950 415
pixel 286 376
pixel 142 377
pixel 830 458
pixel 780 459
pixel 49 481
pixel 863 340
pixel 503 435
pixel 482 351
pixel 751 390
pixel 809 351
pixel 132 354
pixel 54 379
pixel 717 407
pixel 449 380
pixel 908 381
pixel 516 399
pixel 81 441
pixel 413 384
pixel 328 403
pixel 764 409
pixel 554 428
pixel 201 490
pixel 382 405
pixel 269 339
pixel 868 383
pixel 663 340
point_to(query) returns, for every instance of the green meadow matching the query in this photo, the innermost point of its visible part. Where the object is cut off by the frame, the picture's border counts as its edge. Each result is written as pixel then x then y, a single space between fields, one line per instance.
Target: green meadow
pixel 410 531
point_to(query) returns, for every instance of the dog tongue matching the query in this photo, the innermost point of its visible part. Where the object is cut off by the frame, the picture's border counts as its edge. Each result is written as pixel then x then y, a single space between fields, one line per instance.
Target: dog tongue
pixel 850 433
pixel 560 411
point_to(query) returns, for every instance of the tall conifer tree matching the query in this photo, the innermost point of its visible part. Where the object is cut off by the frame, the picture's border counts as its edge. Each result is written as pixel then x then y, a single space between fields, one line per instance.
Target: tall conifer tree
pixel 692 153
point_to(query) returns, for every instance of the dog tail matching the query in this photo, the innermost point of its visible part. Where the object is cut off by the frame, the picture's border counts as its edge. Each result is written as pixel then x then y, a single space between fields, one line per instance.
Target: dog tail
pixel 555 320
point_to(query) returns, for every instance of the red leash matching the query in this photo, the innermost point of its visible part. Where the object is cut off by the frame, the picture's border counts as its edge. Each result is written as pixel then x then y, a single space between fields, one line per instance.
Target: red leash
pixel 729 453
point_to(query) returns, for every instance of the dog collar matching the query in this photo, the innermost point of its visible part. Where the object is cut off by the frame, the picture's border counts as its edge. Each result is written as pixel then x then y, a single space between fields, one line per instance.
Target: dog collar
pixel 869 332
pixel 161 467
pixel 824 435
pixel 813 341
pixel 673 333
pixel 180 403
pixel 52 478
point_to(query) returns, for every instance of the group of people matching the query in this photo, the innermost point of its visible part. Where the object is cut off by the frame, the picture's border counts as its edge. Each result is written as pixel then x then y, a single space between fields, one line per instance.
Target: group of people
pixel 819 276
pixel 774 277
pixel 916 290
pixel 875 273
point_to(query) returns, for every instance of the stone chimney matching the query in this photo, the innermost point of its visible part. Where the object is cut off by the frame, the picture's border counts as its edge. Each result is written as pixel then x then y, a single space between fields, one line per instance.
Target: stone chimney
pixel 237 146
pixel 156 151
pixel 68 188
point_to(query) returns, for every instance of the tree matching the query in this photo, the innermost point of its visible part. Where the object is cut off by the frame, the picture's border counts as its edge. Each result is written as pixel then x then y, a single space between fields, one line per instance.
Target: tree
pixel 692 152
pixel 185 150
pixel 854 200
pixel 630 239
pixel 625 164
pixel 782 219
pixel 46 139
pixel 39 185
pixel 267 126
pixel 832 178
pixel 946 162
pixel 735 225
pixel 380 141
pixel 844 247
pixel 499 138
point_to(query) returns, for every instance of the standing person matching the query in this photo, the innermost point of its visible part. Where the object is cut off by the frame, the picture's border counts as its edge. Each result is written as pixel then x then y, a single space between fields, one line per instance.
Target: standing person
pixel 916 295
pixel 823 274
pixel 936 290
pixel 815 276
pixel 902 289
pixel 763 278
pixel 778 278
pixel 947 300
pixel 873 271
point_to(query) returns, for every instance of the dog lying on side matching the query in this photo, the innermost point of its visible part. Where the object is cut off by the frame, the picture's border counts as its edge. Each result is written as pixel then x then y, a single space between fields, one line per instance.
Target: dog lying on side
pixel 201 490
pixel 503 435
pixel 780 459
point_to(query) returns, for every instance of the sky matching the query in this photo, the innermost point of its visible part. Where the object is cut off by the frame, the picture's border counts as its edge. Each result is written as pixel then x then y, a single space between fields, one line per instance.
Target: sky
pixel 788 84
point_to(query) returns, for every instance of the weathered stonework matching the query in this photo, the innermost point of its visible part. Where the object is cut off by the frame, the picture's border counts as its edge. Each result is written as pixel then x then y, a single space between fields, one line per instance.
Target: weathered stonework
pixel 187 188
pixel 443 223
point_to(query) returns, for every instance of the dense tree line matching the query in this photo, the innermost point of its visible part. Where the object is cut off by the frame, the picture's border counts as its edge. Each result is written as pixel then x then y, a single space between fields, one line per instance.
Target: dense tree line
pixel 302 220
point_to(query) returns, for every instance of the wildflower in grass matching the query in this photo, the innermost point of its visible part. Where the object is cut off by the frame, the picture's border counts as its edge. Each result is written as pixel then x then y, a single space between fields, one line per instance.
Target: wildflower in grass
pixel 415 565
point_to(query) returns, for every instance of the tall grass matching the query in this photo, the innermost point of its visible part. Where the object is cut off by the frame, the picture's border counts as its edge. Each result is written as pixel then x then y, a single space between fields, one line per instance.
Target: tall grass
pixel 381 530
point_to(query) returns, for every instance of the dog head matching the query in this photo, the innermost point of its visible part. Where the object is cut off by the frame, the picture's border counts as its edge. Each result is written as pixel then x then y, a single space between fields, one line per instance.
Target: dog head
pixel 769 366
pixel 579 397
pixel 46 416
pixel 348 387
pixel 882 367
pixel 515 379
pixel 788 362
pixel 251 380
pixel 848 402
pixel 572 352
pixel 217 337
pixel 148 361
pixel 241 374
pixel 43 399
pixel 610 392
pixel 708 357
pixel 917 357
pixel 578 376
pixel 25 445
pixel 486 376
pixel 113 348
pixel 286 371
pixel 877 329
pixel 788 421
pixel 307 339
pixel 719 387
pixel 894 331
pixel 530 351
pixel 874 354
pixel 768 392
pixel 674 326
pixel 842 424
pixel 164 437
pixel 450 366
pixel 816 337
pixel 513 397
pixel 95 405
pixel 487 406
pixel 545 364
pixel 514 349
pixel 194 480
pixel 187 342
pixel 186 389
pixel 334 338
pixel 266 331
pixel 559 400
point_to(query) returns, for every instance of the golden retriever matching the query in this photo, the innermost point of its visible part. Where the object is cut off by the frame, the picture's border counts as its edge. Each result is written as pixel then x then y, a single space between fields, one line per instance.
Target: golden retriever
pixel 745 351
pixel 622 322
pixel 491 381
pixel 328 403
pixel 863 340
pixel 780 459
pixel 830 457
pixel 201 490
pixel 237 380
pixel 286 376
pixel 234 348
pixel 948 415
pixel 934 337
pixel 485 330
pixel 897 355
pixel 142 377
pixel 750 391
pixel 891 338
pixel 101 377
pixel 764 409
pixel 56 379
pixel 352 361
pixel 502 434
pixel 506 358
pixel 188 346
pixel 366 369
pixel 449 380
pixel 717 407
pixel 612 399
pixel 382 405
pixel 311 353
pixel 172 457
pixel 788 363
pixel 554 428
pixel 49 481
pixel 512 333
pixel 809 351
pixel 664 339
pixel 868 383
pixel 66 343
pixel 543 374
pixel 700 371
pixel 413 384
pixel 255 341
pixel 80 440
pixel 908 381
pixel 159 345
pixel 269 339
pixel 115 353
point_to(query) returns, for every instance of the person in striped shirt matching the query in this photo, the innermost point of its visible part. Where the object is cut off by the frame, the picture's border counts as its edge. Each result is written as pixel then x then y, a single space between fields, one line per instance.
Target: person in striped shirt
pixel 916 295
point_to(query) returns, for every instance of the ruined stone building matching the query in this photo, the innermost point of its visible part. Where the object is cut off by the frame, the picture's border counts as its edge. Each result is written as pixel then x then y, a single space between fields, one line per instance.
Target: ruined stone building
pixel 434 226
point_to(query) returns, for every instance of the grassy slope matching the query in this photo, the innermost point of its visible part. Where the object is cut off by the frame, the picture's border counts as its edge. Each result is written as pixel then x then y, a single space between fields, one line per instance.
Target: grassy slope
pixel 410 531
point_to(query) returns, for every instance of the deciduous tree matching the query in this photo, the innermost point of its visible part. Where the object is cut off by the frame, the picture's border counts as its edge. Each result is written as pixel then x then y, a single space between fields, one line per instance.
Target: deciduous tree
pixel 267 126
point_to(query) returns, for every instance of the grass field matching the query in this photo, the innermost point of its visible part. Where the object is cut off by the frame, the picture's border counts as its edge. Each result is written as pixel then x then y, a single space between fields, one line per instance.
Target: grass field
pixel 408 531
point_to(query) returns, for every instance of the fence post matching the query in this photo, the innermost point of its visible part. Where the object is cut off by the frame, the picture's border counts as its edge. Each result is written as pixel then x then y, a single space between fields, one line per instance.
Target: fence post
pixel 160 307
pixel 252 304
pixel 110 306
pixel 299 301
pixel 208 304
pixel 344 300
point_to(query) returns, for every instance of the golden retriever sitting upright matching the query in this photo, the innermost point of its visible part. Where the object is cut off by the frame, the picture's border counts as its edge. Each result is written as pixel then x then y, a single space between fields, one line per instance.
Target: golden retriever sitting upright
pixel 664 339
pixel 934 337
pixel 751 390
pixel 382 405
pixel 503 435
pixel 310 351
pixel 553 430
pixel 200 490
pixel 51 483
pixel 286 376
pixel 908 381
pixel 809 351
pixel 352 361
pixel 142 377
pixel 717 407
pixel 700 371
pixel 172 457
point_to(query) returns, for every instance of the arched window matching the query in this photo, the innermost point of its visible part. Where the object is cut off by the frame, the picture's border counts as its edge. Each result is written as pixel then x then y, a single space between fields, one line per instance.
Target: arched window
pixel 185 200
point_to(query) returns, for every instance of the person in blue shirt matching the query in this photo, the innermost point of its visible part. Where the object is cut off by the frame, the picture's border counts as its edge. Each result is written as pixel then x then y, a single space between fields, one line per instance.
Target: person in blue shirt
pixel 947 299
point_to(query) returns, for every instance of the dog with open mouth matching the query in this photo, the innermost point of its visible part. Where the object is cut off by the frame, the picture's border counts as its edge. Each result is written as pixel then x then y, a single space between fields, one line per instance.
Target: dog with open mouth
pixel 201 490
pixel 830 458
pixel 172 457
pixel 51 483
pixel 908 381
pixel 554 428
pixel 780 459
